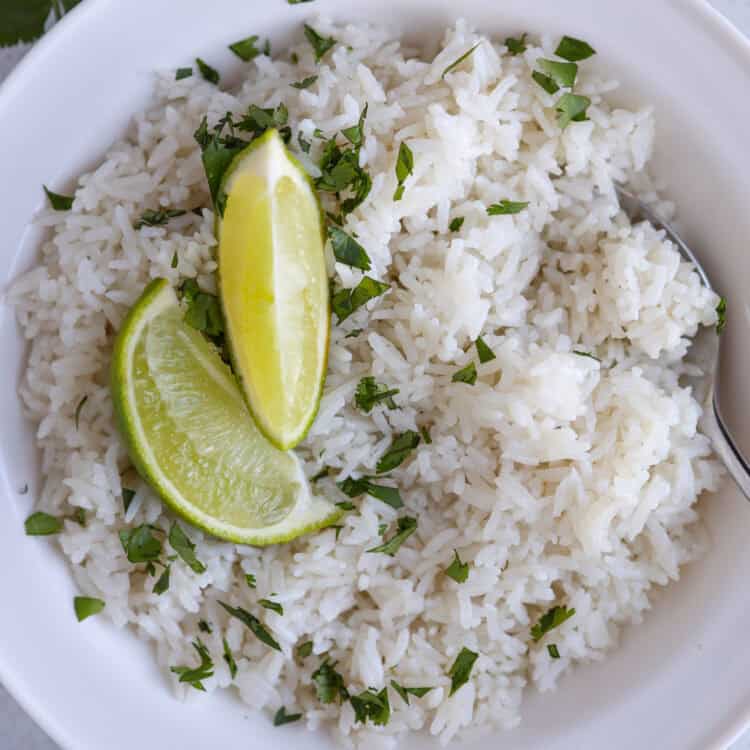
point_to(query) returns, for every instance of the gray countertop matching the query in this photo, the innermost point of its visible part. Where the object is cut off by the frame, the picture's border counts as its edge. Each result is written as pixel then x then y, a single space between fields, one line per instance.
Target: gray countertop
pixel 17 730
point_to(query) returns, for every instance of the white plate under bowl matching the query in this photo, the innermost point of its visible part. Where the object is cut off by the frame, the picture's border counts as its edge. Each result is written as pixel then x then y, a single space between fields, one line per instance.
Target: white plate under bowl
pixel 679 681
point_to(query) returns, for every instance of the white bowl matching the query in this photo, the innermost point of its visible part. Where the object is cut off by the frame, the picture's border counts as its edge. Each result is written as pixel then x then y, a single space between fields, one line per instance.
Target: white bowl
pixel 679 681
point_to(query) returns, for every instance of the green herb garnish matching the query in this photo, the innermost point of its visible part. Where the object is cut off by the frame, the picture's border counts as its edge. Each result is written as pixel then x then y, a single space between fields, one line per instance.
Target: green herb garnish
pixel 571 108
pixel 25 20
pixel 194 676
pixel 363 486
pixel 340 171
pixel 320 44
pixel 210 74
pixel 181 73
pixel 345 505
pixel 273 606
pixel 253 623
pixel 297 2
pixel 329 684
pixel 259 119
pixel 506 207
pixel 347 250
pixel 282 717
pixel 347 301
pixel 304 83
pixel 355 133
pixel 466 375
pixel 86 606
pixel 461 669
pixel 79 516
pixel 57 201
pixel 371 705
pixel 127 498
pixel 456 224
pixel 303 144
pixel 406 526
pixel 250 580
pixel 324 472
pixel 405 692
pixel 574 49
pixel 305 649
pixel 245 49
pixel 80 406
pixel 139 544
pixel 151 218
pixel 425 433
pixel 204 627
pixel 457 570
pixel 562 73
pixel 228 657
pixel 516 46
pixel 185 548
pixel 404 168
pixel 369 393
pixel 203 310
pixel 721 311
pixel 547 83
pixel 163 583
pixel 457 62
pixel 585 354
pixel 483 351
pixel 399 450
pixel 552 651
pixel 550 620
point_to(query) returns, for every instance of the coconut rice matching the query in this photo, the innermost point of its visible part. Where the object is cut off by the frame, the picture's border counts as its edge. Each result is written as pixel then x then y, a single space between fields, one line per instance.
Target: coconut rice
pixel 561 478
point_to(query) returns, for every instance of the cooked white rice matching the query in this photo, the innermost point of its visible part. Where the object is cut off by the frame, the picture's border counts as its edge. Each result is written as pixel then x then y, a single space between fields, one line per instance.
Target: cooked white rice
pixel 560 479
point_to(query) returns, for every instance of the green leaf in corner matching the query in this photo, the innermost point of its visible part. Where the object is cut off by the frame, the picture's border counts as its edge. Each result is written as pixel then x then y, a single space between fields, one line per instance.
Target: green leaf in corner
pixel 405 692
pixel 210 74
pixel 398 451
pixel 553 651
pixel 245 49
pixel 516 46
pixel 466 375
pixel 22 20
pixel 547 83
pixel 181 73
pixel 721 312
pixel 457 62
pixel 127 497
pixel 305 83
pixel 363 486
pixel 194 676
pixel 485 353
pixel 86 606
pixel 456 223
pixel 203 309
pixel 305 649
pixel 562 73
pixel 457 570
pixel 250 580
pixel 505 207
pixel 162 583
pixel 253 623
pixel 347 301
pixel 461 669
pixel 406 526
pixel 355 133
pixel 42 524
pixel 57 201
pixel 228 657
pixel 549 620
pixel 320 44
pixel 369 393
pixel 329 684
pixel 404 168
pixel 273 606
pixel 152 218
pixel 140 544
pixel 347 250
pixel 282 717
pixel 185 548
pixel 571 108
pixel 574 49
pixel 372 705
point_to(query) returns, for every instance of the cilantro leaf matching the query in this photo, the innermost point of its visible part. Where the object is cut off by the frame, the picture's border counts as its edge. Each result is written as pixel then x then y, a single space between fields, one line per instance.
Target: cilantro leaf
pixel 404 168
pixel 86 606
pixel 371 705
pixel 369 393
pixel 79 516
pixel 22 20
pixel 185 548
pixel 127 497
pixel 562 73
pixel 721 311
pixel 456 224
pixel 458 61
pixel 363 486
pixel 181 73
pixel 297 2
pixel 406 526
pixel 345 505
pixel 303 144
pixel 228 657
pixel 571 108
pixel 203 310
pixel 457 570
pixel 194 675
pixel 550 620
pixel 405 692
pixel 485 353
pixel 516 46
pixel 466 375
pixel 461 669
pixel 80 406
pixel 329 684
pixel 282 717
pixel 273 606
pixel 253 623
pixel 547 83
pixel 151 218
pixel 400 448
pixel 163 583
pixel 347 301
pixel 324 472
pixel 320 44
pixel 425 433
pixel 305 649
pixel 140 544
pixel 347 250
pixel 210 74
pixel 552 651
pixel 506 207
pixel 355 133
pixel 57 201
pixel 245 49
pixel 574 49
pixel 305 83
pixel 585 354
pixel 250 580
pixel 204 627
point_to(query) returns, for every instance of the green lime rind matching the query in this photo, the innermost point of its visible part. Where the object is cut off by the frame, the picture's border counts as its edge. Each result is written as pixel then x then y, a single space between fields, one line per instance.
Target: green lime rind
pixel 309 513
pixel 266 429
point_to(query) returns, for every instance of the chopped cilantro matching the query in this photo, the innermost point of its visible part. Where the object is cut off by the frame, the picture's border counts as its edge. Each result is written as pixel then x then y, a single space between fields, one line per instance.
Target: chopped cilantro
pixel 297 2
pixel 303 144
pixel 321 474
pixel 550 620
pixel 80 406
pixel 516 46
pixel 228 657
pixel 459 60
pixel 398 451
pixel 721 312
pixel 347 301
pixel 425 433
pixel 57 201
pixel 181 73
pixel 347 250
pixel 363 486
pixel 282 717
pixel 175 260
pixel 210 74
pixel 304 83
pixel 152 218
pixel 320 44
pixel 185 548
pixel 571 108
pixel 259 119
pixel 456 224
pixel 547 83
pixel 127 498
pixel 353 333
pixel 305 649
pixel 204 627
pixel 273 606
pixel 485 353
pixel 371 705
pixel 250 580
pixel 585 354
pixel 139 544
pixel 552 651
pixel 203 310
pixel 79 516
pixel 457 570
pixel 254 624
pixel 86 606
pixel 562 73
pixel 406 526
pixel 345 505
pixel 382 528
pixel 369 393
pixel 461 669
pixel 404 168
pixel 466 375
pixel 574 49
pixel 405 692
pixel 355 133
pixel 194 676
pixel 506 207
pixel 329 684
pixel 245 49
pixel 24 20
pixel 163 583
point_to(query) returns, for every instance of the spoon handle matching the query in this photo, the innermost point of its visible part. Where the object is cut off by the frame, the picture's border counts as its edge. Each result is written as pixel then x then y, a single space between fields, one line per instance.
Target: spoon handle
pixel 723 444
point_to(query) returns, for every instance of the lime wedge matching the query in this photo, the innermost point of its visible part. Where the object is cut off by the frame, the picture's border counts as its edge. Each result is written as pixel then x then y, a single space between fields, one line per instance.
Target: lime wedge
pixel 274 287
pixel 190 436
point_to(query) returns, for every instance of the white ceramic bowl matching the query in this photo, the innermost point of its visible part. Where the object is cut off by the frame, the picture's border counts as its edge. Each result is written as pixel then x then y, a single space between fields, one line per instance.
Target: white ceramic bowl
pixel 679 681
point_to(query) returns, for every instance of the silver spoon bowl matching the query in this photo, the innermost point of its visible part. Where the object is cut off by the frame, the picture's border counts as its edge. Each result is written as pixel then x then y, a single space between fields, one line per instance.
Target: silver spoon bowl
pixel 704 350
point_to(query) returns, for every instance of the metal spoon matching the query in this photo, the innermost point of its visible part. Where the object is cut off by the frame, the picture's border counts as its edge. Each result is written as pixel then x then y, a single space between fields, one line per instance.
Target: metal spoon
pixel 705 345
